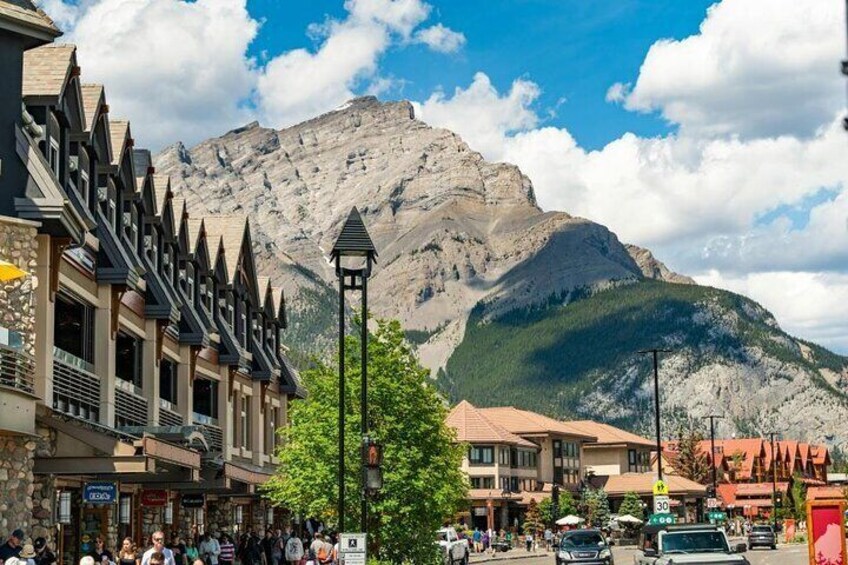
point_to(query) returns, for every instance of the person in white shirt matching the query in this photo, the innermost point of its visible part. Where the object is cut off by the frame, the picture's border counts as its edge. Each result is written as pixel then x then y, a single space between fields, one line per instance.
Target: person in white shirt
pixel 158 539
pixel 209 550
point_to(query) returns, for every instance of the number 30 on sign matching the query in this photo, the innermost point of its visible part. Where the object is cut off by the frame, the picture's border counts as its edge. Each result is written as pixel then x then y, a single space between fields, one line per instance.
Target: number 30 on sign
pixel 662 505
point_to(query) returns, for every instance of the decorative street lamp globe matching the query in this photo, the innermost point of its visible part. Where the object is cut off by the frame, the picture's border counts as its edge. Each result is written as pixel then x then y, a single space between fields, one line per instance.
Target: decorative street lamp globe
pixel 354 242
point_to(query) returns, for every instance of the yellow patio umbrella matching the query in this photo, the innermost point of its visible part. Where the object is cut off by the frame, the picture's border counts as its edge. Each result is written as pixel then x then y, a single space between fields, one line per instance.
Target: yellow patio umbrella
pixel 10 271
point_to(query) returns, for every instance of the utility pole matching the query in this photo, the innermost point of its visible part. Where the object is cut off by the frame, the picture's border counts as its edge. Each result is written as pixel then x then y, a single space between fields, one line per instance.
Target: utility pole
pixel 713 418
pixel 773 482
pixel 655 352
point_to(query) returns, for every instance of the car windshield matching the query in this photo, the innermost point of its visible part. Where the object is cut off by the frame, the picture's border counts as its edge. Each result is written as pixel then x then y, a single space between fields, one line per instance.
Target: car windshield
pixel 582 539
pixel 694 542
pixel 762 529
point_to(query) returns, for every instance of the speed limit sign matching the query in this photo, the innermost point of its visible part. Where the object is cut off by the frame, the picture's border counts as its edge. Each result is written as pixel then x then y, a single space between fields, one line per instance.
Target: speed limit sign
pixel 662 505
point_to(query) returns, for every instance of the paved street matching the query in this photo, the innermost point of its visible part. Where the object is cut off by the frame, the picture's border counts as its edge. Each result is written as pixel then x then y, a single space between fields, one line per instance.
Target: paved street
pixel 785 555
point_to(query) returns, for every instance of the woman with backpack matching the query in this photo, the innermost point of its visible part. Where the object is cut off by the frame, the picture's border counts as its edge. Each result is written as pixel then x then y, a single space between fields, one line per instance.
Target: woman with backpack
pixel 294 550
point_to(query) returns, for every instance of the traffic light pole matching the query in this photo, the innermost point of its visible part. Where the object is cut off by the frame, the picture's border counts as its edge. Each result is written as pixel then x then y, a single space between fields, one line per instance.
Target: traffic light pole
pixel 655 352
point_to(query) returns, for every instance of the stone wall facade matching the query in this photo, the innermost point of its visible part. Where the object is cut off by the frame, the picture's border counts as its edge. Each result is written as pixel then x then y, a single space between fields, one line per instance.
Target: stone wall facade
pixel 17 297
pixel 17 314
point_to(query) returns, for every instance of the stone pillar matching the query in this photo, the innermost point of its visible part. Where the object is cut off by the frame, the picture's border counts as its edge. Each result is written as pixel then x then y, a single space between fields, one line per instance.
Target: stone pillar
pixel 44 325
pixel 257 424
pixel 185 385
pixel 225 414
pixel 150 372
pixel 44 490
pixel 104 354
pixel 19 246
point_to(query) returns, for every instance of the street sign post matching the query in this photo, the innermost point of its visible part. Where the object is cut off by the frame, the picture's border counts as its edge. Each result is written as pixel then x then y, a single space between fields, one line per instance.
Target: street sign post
pixel 662 505
pixel 662 519
pixel 660 488
pixel 353 549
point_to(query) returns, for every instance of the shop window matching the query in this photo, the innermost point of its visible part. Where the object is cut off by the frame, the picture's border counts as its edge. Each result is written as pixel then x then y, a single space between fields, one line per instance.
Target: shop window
pixel 128 350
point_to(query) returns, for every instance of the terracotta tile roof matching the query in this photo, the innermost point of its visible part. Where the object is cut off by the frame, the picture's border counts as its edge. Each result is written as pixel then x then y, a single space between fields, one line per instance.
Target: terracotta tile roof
pixel 609 435
pixel 473 426
pixel 820 454
pixel 119 133
pixel 727 494
pixel 26 13
pixel 47 69
pixel 822 492
pixel 524 422
pixel 93 96
pixel 758 489
pixel 643 484
pixel 230 229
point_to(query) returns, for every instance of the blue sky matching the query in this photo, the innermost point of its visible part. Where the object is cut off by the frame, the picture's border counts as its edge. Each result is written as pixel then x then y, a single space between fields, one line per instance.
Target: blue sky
pixel 706 132
pixel 573 49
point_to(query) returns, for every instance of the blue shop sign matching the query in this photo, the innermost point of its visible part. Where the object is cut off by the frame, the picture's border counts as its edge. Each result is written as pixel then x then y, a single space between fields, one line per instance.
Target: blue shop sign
pixel 100 493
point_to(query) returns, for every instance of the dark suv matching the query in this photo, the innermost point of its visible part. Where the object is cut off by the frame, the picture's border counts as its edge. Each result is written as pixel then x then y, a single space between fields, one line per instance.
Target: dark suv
pixel 583 547
pixel 763 536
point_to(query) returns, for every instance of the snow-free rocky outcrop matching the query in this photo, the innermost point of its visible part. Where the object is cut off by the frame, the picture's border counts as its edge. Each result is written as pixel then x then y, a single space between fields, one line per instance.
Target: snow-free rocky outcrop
pixel 452 229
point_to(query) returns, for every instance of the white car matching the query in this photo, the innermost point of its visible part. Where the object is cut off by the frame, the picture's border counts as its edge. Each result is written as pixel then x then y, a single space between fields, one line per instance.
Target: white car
pixel 700 544
pixel 454 550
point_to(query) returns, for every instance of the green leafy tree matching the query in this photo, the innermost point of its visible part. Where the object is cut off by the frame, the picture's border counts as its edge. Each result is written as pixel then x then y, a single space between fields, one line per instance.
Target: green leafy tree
pixel 423 485
pixel 691 461
pixel 566 506
pixel 632 505
pixel 533 518
pixel 594 505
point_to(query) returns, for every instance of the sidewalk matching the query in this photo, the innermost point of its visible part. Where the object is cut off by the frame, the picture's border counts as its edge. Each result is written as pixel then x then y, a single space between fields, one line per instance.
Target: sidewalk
pixel 516 553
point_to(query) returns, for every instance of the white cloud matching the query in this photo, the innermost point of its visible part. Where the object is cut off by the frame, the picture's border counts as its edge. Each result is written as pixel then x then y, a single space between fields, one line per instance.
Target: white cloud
pixel 758 102
pixel 481 115
pixel 440 38
pixel 176 69
pixel 812 305
pixel 757 67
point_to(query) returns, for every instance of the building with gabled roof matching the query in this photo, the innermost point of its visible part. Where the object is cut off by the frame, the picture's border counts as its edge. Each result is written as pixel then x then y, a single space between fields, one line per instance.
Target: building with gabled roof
pixel 146 354
pixel 615 451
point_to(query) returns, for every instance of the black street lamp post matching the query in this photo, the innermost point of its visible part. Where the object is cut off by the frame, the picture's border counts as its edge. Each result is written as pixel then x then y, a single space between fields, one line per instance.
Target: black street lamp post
pixel 353 241
pixel 773 482
pixel 713 418
pixel 655 352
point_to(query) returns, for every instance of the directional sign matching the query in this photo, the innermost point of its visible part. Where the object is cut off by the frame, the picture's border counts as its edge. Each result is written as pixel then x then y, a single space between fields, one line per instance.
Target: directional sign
pixel 660 488
pixel 717 516
pixel 353 549
pixel 662 519
pixel 662 505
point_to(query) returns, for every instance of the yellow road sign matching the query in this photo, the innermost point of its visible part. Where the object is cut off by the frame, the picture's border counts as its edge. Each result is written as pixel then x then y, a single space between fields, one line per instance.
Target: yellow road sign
pixel 660 488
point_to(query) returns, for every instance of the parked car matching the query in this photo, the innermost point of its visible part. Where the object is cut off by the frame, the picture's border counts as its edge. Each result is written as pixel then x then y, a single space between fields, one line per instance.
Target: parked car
pixel 454 549
pixel 584 547
pixel 700 544
pixel 762 535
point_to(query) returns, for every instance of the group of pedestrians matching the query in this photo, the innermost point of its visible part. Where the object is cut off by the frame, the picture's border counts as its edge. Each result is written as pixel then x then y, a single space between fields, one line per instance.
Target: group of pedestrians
pixel 276 547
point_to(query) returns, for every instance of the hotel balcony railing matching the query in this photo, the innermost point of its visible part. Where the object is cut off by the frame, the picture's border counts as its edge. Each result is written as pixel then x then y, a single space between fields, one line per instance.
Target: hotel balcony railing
pixel 130 405
pixel 17 369
pixel 76 389
pixel 214 434
pixel 167 415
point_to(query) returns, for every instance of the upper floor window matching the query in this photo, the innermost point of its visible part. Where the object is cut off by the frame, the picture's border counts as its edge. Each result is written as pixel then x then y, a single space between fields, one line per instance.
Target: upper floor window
pixel 482 482
pixel 245 422
pixel 243 325
pixel 481 455
pixel 503 456
pixel 128 360
pixel 205 397
pixel 53 157
pixel 168 380
pixel 74 328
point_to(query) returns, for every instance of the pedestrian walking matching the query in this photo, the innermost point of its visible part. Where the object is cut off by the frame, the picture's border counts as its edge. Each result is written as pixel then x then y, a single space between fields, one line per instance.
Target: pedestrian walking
pixel 100 553
pixel 179 549
pixel 192 553
pixel 167 556
pixel 45 555
pixel 127 555
pixel 279 547
pixel 549 536
pixel 209 549
pixel 528 540
pixel 477 537
pixel 12 547
pixel 294 550
pixel 27 554
pixel 226 550
pixel 267 545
